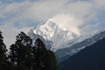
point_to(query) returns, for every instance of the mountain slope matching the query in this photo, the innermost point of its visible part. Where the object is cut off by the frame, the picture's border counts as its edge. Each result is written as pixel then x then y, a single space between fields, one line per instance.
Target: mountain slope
pixel 90 58
pixel 64 53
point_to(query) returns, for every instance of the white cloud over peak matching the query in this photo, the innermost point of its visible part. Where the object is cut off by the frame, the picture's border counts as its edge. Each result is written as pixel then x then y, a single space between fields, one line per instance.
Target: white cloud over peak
pixel 68 21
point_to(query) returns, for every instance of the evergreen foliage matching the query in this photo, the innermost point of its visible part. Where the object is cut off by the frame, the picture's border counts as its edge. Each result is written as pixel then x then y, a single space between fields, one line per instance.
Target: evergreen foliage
pixel 2 52
pixel 50 61
pixel 20 52
pixel 40 54
pixel 45 59
pixel 24 55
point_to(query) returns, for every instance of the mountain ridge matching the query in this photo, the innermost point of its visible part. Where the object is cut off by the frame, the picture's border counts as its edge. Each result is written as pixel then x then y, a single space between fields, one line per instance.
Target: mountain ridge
pixel 90 58
pixel 79 46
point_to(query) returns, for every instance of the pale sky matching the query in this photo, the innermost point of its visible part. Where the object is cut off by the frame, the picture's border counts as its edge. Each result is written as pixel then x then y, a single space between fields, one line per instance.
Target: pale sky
pixel 23 15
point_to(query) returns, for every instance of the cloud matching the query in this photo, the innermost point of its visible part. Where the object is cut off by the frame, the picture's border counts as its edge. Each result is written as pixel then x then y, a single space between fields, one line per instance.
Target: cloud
pixel 43 10
pixel 100 4
pixel 68 21
pixel 22 15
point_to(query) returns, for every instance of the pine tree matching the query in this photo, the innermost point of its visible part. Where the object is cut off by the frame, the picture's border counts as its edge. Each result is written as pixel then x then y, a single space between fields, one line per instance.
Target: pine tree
pixel 44 60
pixel 20 52
pixel 17 50
pixel 34 58
pixel 50 61
pixel 25 56
pixel 28 61
pixel 3 51
pixel 40 54
pixel 13 53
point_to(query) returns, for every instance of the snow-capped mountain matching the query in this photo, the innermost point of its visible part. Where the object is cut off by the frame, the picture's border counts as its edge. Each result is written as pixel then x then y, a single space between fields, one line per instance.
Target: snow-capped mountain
pixel 59 36
pixel 63 41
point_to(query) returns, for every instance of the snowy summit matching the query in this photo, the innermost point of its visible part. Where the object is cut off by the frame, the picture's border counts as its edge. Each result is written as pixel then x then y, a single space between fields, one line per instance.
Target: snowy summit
pixel 58 31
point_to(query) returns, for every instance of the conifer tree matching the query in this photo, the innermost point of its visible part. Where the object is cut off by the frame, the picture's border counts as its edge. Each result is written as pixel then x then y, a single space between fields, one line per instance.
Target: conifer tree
pixel 40 54
pixel 17 50
pixel 34 58
pixel 4 63
pixel 50 61
pixel 28 61
pixel 13 53
pixel 2 52
pixel 29 57
pixel 20 52
pixel 45 60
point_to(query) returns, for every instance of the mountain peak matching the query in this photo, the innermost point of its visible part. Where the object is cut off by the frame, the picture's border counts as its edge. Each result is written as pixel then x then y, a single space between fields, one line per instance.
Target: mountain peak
pixel 57 34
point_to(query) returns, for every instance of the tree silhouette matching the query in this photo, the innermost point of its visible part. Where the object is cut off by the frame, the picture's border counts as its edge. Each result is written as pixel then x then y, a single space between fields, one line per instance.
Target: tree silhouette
pixel 20 52
pixel 50 61
pixel 27 56
pixel 3 51
pixel 45 60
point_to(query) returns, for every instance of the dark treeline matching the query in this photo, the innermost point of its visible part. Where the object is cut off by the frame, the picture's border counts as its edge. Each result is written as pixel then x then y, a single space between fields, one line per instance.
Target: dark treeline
pixel 25 54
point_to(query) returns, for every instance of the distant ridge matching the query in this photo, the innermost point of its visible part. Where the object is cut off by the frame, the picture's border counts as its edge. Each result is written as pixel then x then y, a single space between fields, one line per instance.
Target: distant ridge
pixel 90 58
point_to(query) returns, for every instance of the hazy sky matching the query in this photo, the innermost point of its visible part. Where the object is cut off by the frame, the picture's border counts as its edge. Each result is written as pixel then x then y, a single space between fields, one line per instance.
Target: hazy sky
pixel 23 15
